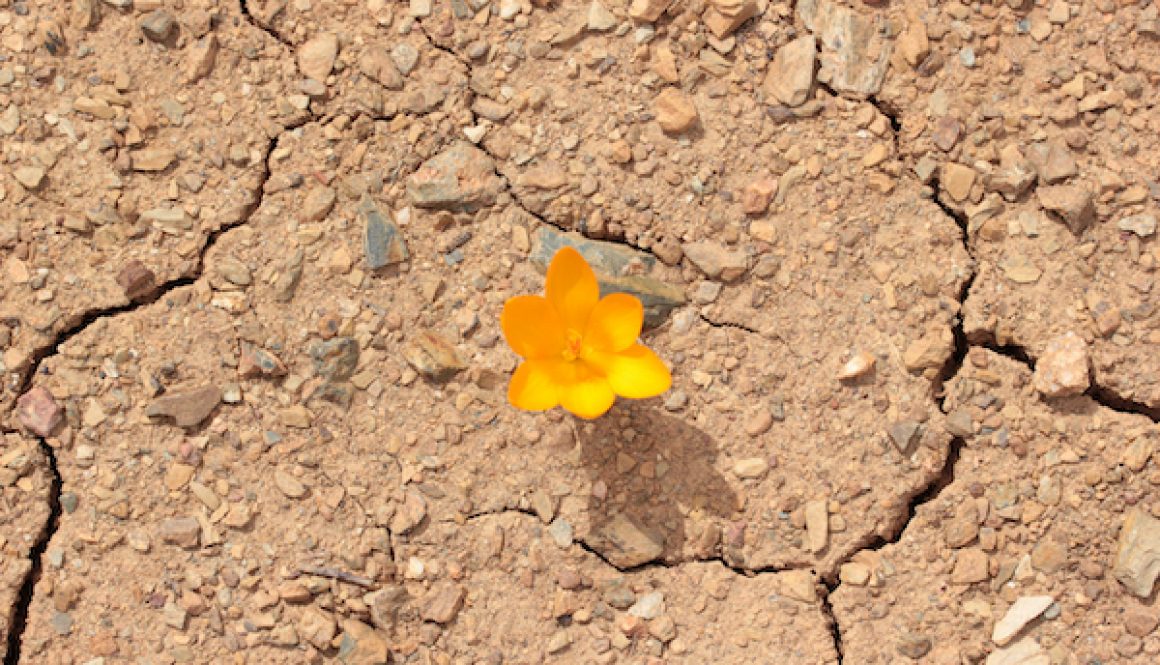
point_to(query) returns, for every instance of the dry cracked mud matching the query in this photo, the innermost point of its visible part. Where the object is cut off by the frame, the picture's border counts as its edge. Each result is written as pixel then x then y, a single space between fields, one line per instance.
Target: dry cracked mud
pixel 900 257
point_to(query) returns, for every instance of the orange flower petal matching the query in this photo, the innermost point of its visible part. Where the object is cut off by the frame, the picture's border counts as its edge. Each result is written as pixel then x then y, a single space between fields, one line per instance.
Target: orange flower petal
pixel 588 394
pixel 571 288
pixel 532 327
pixel 533 386
pixel 614 323
pixel 635 373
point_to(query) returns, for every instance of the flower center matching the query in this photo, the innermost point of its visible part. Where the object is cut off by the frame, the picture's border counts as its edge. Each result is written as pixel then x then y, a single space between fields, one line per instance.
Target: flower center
pixel 573 342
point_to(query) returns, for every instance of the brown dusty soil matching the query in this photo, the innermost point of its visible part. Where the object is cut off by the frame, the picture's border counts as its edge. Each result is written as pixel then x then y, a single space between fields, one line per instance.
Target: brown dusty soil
pixel 900 256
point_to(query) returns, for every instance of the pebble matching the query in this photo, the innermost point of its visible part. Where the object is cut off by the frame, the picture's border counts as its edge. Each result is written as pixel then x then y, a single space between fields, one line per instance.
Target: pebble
pixel 159 26
pixel 1064 368
pixel 1023 652
pixel 136 280
pixel 561 532
pixel 599 18
pixel 362 645
pixel 855 46
pixel 317 628
pixel 627 544
pixel 791 75
pixel 1142 225
pixel 443 603
pixel 461 178
pixel 187 408
pixel 152 160
pixel 1022 612
pixel 970 567
pixel 723 17
pixel 648 10
pixel 184 532
pixel 31 177
pixel 62 623
pixel 817 526
pixel 957 180
pixel 1140 622
pixel 913 645
pixel 717 262
pixel 857 574
pixel 1073 204
pixel 433 356
pixel 675 111
pixel 38 411
pixel 316 56
pixel 751 467
pixel 1049 556
pixel 649 606
pixel 757 195
pixel 410 513
pixel 859 364
pixel 383 243
pixel 406 57
pixel 930 351
pixel 1138 554
pixel 289 485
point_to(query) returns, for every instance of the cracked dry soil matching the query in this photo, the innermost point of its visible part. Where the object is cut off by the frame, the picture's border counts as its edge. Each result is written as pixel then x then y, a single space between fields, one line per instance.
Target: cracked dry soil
pixel 900 256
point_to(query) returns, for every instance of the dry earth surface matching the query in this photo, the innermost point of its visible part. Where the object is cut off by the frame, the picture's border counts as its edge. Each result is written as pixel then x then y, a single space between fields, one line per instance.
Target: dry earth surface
pixel 900 255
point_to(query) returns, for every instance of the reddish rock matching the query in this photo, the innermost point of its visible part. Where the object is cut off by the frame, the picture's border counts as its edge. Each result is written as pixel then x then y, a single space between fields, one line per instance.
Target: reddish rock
pixel 136 280
pixel 39 412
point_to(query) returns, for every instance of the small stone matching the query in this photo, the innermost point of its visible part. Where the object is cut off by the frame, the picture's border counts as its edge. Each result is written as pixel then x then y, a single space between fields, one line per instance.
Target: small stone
pixel 38 411
pixel 254 362
pixel 159 26
pixel 383 243
pixel 913 645
pixel 187 408
pixel 957 180
pixel 1073 204
pixel 1049 556
pixel 649 606
pixel 136 280
pixel 599 18
pixel 798 584
pixel 317 55
pixel 361 645
pixel 858 365
pixel 648 10
pixel 914 43
pixel 717 262
pixel 970 567
pixel 791 75
pixel 751 467
pixel 460 178
pixel 184 532
pixel 1052 161
pixel 318 203
pixel 317 628
pixel 857 574
pixel 152 160
pixel 1140 622
pixel 289 485
pixel 410 513
pixel 405 57
pixel 378 65
pixel 817 526
pixel 1063 369
pixel 201 58
pixel 723 17
pixel 1022 612
pixel 559 641
pixel 946 133
pixel 561 532
pixel 675 111
pixel 62 623
pixel 930 351
pixel 433 356
pixel 757 195
pixel 878 153
pixel 1023 652
pixel 31 177
pixel 1138 555
pixel 443 603
pixel 626 543
pixel 1142 225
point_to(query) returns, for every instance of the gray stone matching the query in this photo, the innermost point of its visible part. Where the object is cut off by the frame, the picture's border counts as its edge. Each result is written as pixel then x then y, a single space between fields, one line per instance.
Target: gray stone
pixel 561 532
pixel 649 606
pixel 382 241
pixel 335 359
pixel 159 26
pixel 406 57
pixel 1142 225
pixel 612 262
pixel 462 177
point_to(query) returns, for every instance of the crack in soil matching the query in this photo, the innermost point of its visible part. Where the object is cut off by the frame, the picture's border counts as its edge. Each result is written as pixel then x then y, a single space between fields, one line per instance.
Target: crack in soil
pixel 38 356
